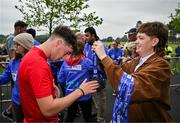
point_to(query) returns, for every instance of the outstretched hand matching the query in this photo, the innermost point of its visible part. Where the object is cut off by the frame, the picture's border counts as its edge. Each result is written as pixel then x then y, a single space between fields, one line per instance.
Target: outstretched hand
pixel 89 87
pixel 98 47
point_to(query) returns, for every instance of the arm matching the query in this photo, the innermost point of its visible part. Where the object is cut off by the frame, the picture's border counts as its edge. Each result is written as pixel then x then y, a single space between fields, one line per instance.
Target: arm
pixel 43 90
pixel 6 75
pixel 50 107
pixel 113 71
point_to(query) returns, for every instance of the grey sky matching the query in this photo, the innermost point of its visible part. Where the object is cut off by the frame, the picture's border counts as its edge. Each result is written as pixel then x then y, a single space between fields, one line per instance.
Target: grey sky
pixel 118 15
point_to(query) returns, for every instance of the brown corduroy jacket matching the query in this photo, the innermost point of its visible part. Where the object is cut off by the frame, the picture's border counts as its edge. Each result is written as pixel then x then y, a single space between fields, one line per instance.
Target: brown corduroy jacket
pixel 150 100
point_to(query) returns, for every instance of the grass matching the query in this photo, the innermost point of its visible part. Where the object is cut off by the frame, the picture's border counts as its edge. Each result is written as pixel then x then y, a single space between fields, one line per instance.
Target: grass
pixel 175 66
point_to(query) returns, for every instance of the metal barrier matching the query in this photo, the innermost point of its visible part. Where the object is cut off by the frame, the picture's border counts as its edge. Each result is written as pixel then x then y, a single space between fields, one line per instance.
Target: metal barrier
pixel 5 99
pixel 175 68
pixel 5 90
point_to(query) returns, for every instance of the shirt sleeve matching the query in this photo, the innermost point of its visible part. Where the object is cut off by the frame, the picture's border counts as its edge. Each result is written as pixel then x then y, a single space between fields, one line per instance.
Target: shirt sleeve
pixel 10 43
pixel 113 71
pixel 61 78
pixel 6 75
pixel 109 52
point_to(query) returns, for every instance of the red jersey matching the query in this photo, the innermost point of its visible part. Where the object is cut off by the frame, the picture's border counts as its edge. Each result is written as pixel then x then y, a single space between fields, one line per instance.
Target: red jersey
pixel 35 81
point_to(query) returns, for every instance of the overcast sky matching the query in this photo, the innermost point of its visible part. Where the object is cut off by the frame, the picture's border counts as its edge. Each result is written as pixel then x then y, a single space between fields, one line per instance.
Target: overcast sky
pixel 118 15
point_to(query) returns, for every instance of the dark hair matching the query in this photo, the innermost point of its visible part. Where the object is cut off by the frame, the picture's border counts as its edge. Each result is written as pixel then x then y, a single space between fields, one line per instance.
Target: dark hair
pixel 66 34
pixel 79 49
pixel 158 30
pixel 20 23
pixel 92 31
pixel 32 32
pixel 19 56
pixel 116 42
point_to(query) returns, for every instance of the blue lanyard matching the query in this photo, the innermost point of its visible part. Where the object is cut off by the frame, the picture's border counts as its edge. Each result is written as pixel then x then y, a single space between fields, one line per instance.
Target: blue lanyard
pixel 95 66
pixel 123 97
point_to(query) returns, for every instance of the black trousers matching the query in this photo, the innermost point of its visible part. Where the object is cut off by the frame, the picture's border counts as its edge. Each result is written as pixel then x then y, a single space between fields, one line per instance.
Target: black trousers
pixel 86 107
pixel 18 115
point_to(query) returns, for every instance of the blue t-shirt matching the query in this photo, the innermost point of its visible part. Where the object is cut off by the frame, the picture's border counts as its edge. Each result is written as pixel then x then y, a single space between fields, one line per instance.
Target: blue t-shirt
pixel 89 53
pixel 55 67
pixel 177 51
pixel 116 54
pixel 10 74
pixel 71 77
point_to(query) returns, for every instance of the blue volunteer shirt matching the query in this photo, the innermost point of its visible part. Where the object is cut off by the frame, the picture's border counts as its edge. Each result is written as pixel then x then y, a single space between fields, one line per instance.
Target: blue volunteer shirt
pixel 55 67
pixel 71 77
pixel 116 54
pixel 11 74
pixel 92 56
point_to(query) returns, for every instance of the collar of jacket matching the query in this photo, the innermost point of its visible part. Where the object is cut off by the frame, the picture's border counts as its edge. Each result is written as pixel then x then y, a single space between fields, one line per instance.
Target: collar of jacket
pixel 149 60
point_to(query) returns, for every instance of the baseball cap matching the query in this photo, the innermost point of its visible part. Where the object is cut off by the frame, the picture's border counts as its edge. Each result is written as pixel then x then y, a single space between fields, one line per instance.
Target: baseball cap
pixel 131 31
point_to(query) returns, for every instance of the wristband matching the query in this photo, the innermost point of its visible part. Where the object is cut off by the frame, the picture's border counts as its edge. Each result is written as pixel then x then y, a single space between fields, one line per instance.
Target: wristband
pixel 82 91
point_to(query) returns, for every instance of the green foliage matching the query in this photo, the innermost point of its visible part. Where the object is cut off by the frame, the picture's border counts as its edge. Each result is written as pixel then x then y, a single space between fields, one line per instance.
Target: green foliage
pixel 118 39
pixel 2 39
pixel 50 13
pixel 175 20
pixel 41 38
pixel 175 66
pixel 1 70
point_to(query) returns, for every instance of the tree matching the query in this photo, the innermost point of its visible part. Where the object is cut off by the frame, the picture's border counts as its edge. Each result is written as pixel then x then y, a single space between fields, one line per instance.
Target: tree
pixel 118 39
pixel 174 24
pixel 49 13
pixel 110 39
pixel 124 38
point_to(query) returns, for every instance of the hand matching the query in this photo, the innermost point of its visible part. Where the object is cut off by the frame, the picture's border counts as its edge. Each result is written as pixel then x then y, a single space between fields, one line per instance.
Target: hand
pixel 56 91
pixel 98 47
pixel 125 60
pixel 89 87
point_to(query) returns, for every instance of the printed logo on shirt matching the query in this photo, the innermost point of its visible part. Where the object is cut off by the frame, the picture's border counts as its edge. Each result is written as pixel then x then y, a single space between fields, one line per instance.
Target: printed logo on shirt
pixel 14 76
pixel 76 67
pixel 72 85
pixel 112 56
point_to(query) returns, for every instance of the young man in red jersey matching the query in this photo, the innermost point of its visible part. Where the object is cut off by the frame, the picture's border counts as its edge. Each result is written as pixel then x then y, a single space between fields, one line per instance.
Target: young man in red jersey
pixel 39 95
